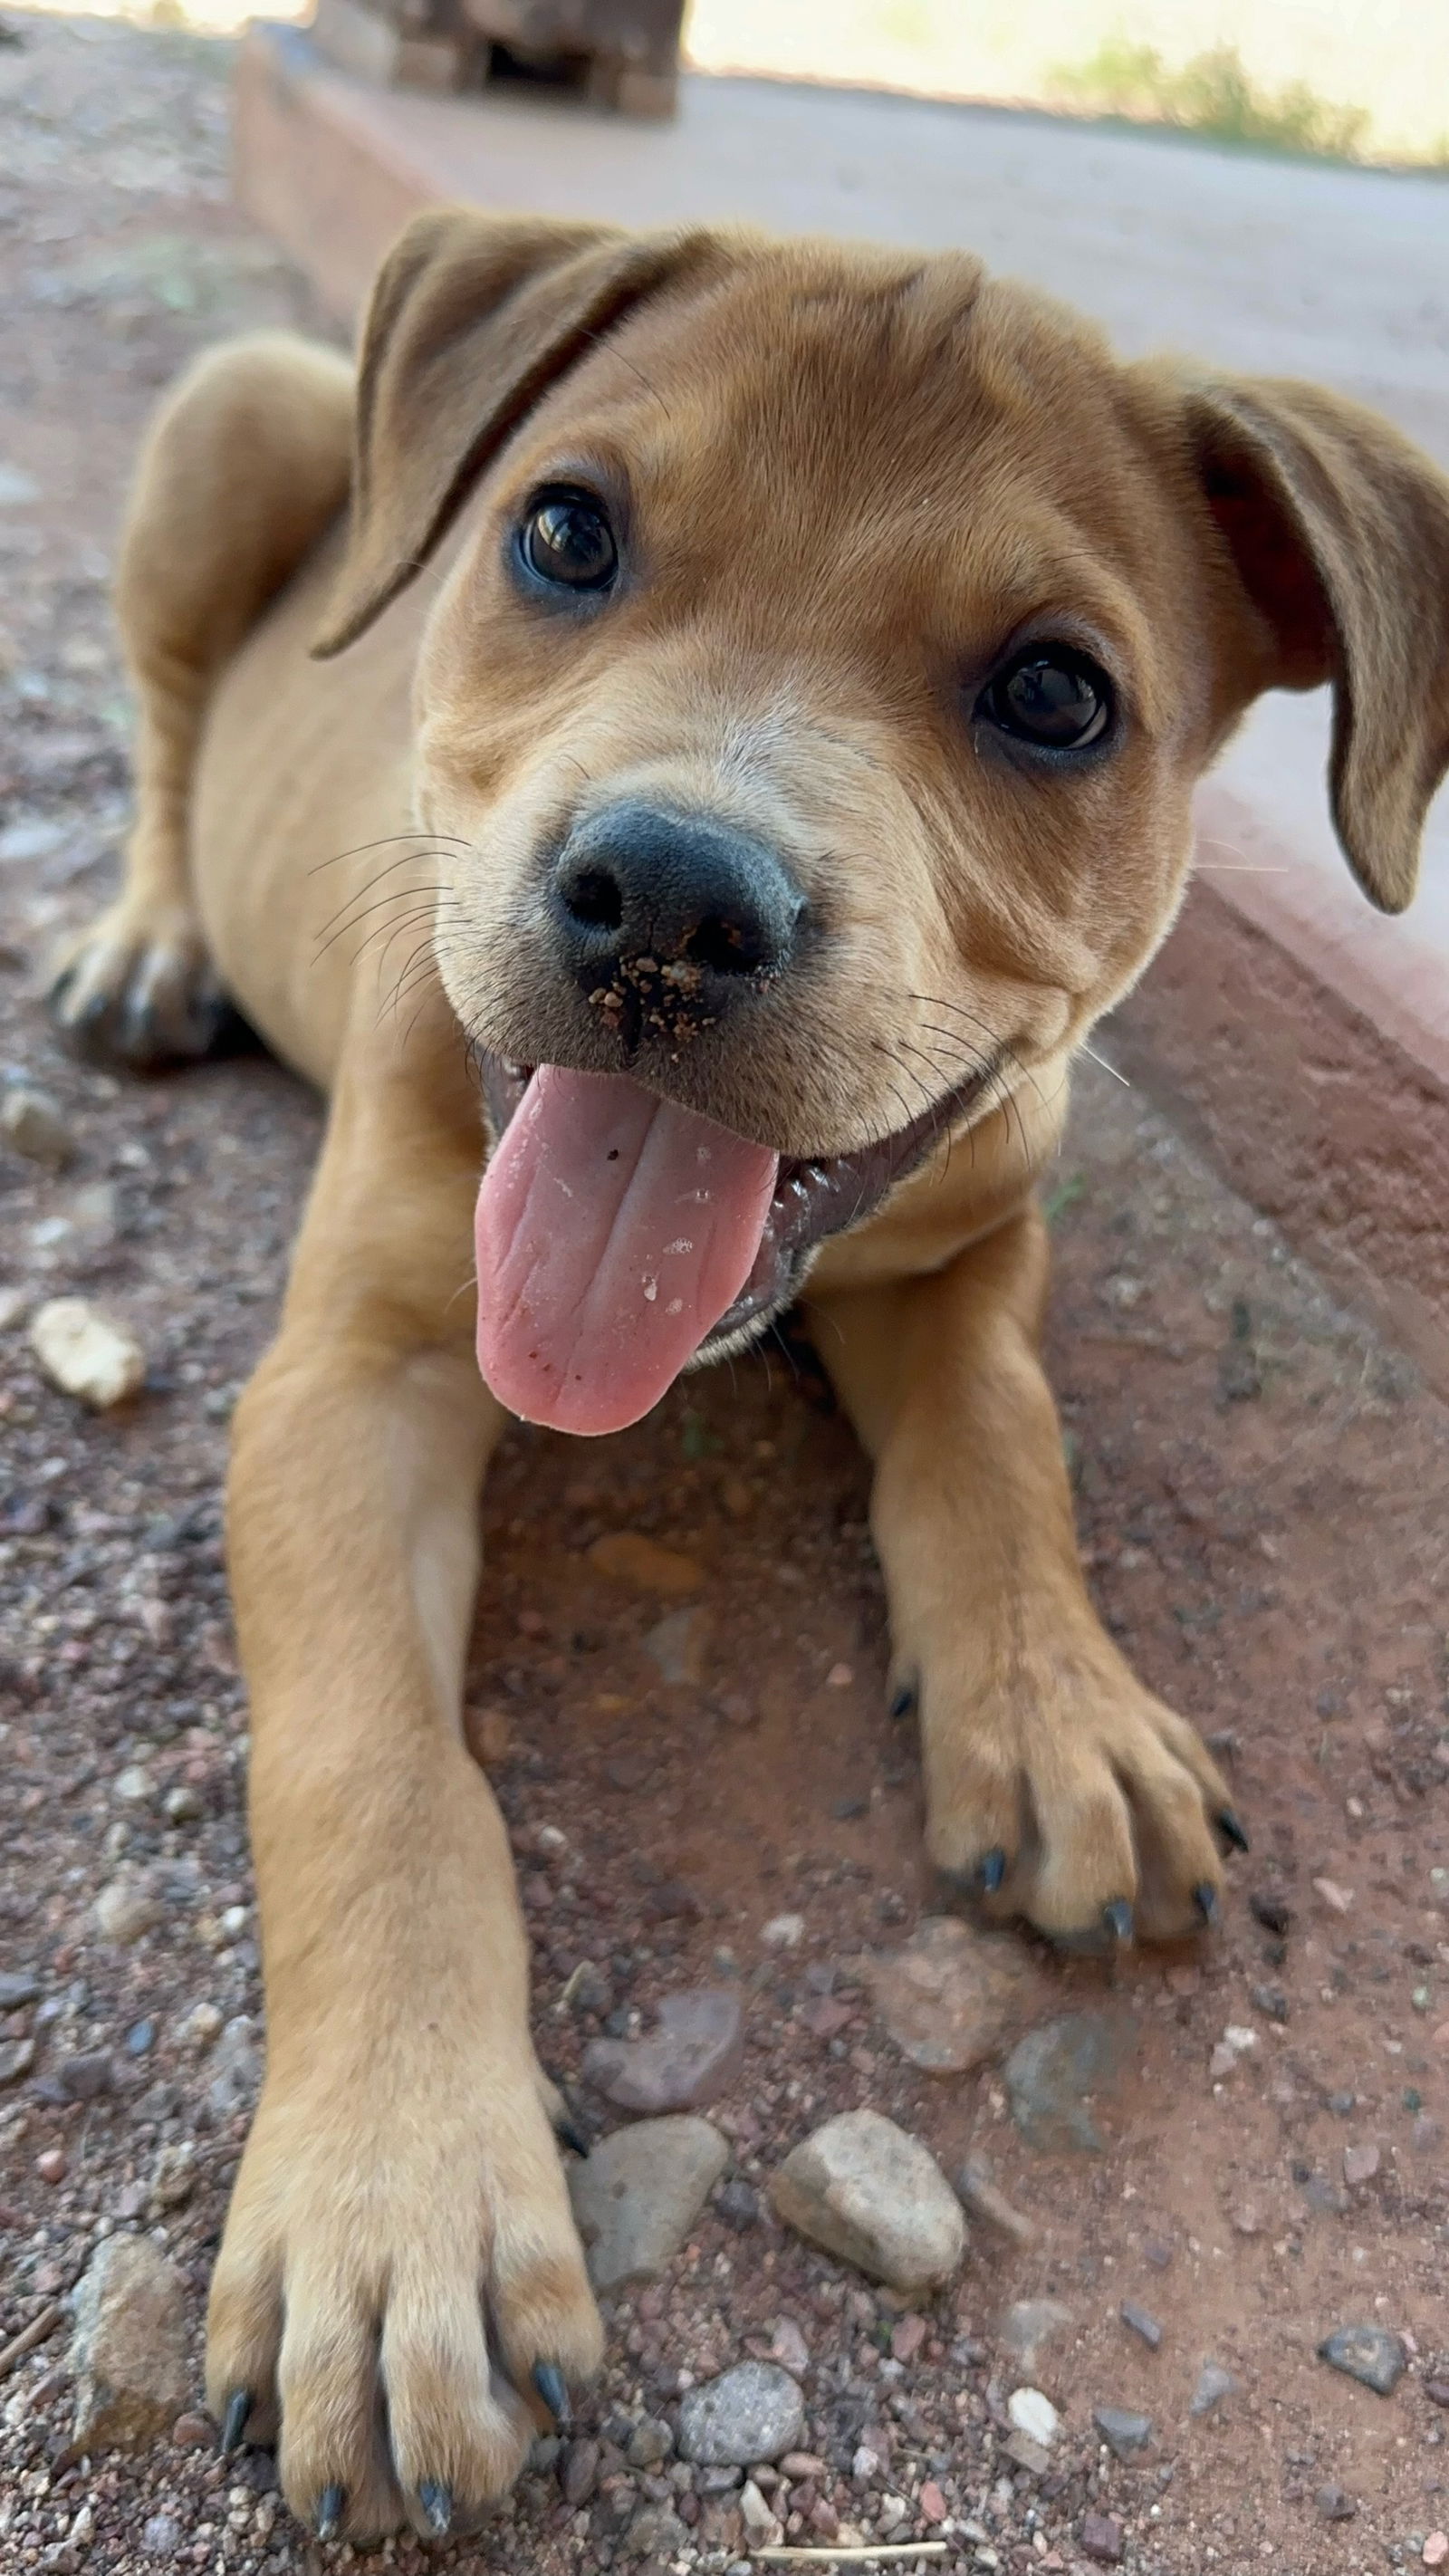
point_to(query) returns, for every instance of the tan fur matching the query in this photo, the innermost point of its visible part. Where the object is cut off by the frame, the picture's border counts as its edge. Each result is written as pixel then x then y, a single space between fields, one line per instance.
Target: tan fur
pixel 853 480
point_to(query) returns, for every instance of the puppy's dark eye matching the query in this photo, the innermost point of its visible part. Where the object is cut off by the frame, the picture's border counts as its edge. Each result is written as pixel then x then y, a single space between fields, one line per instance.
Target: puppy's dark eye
pixel 1050 696
pixel 566 539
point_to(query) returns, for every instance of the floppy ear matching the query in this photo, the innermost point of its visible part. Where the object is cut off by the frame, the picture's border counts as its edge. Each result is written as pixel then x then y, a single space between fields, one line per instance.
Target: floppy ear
pixel 471 319
pixel 1339 530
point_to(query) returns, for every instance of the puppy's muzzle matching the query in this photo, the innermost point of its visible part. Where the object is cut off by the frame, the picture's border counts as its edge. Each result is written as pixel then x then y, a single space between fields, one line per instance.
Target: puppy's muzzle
pixel 666 921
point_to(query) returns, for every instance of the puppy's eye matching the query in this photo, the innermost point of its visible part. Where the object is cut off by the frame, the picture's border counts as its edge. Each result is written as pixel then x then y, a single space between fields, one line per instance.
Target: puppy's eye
pixel 1050 696
pixel 566 539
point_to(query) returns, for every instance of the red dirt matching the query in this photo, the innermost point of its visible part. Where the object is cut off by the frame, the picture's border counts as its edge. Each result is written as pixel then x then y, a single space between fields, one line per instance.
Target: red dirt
pixel 1261 1496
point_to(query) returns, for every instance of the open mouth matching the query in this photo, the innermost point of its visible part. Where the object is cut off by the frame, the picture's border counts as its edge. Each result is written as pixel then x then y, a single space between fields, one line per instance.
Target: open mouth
pixel 621 1239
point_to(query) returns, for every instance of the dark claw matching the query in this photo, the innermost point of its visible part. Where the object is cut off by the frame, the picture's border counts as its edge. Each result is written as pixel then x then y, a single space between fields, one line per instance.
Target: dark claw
pixel 991 1872
pixel 553 2388
pixel 569 2134
pixel 1118 1919
pixel 1205 1898
pixel 233 2422
pixel 1231 1831
pixel 904 1702
pixel 330 2512
pixel 437 2503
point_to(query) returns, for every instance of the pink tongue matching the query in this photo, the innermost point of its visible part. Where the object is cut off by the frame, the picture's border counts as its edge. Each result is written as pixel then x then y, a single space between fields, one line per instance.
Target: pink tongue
pixel 612 1232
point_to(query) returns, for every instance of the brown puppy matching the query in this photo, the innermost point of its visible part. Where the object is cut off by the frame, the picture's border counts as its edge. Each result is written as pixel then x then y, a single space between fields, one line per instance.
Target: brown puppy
pixel 784 762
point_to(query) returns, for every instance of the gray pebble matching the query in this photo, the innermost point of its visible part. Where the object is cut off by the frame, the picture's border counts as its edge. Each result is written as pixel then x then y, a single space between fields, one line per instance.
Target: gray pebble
pixel 649 2443
pixel 655 2532
pixel 1335 2505
pixel 1367 2353
pixel 693 2055
pixel 1122 2432
pixel 753 2412
pixel 17 2056
pixel 161 2536
pixel 738 2202
pixel 640 2192
pixel 85 2077
pixel 18 1987
pixel 1054 2075
pixel 1142 2323
pixel 578 2471
pixel 1213 2385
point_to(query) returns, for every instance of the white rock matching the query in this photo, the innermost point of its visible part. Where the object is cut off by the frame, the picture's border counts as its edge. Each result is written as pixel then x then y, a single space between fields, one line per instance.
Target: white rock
pixel 174 2178
pixel 784 1932
pixel 868 2192
pixel 759 2519
pixel 132 1786
pixel 1034 2415
pixel 87 1353
pixel 34 1124
pixel 125 1910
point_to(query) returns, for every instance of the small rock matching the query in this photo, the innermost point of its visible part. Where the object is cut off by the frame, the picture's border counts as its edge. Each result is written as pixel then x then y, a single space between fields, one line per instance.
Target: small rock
pixel 1360 2163
pixel 751 2413
pixel 1124 2433
pixel 932 2500
pixel 1102 2539
pixel 1338 1899
pixel 1435 2549
pixel 236 2068
pixel 695 2054
pixel 160 2536
pixel 193 2433
pixel 640 2192
pixel 951 1994
pixel 17 2056
pixel 738 2203
pixel 1030 2455
pixel 1437 2391
pixel 868 2192
pixel 1213 2385
pixel 1053 2075
pixel 35 1125
pixel 174 2178
pixel 132 1785
pixel 1272 1910
pixel 677 1645
pixel 578 2471
pixel 783 1932
pixel 129 2351
pixel 1334 2504
pixel 52 2164
pixel 1029 2326
pixel 799 2465
pixel 126 1910
pixel 201 2026
pixel 649 2443
pixel 789 2347
pixel 86 1352
pixel 980 2196
pixel 1034 2415
pixel 86 2076
pixel 642 1565
pixel 1366 2353
pixel 655 2532
pixel 1142 2322
pixel 758 2516
pixel 18 1987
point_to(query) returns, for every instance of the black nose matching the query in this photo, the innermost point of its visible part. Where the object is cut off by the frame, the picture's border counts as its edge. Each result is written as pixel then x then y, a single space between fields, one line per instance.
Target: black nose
pixel 633 886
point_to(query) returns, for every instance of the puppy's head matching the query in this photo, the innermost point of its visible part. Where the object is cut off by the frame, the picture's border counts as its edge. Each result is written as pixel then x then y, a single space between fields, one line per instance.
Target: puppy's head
pixel 812 712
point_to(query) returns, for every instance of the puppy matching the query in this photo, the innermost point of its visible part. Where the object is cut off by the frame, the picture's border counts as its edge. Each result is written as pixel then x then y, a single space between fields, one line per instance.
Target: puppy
pixel 755 694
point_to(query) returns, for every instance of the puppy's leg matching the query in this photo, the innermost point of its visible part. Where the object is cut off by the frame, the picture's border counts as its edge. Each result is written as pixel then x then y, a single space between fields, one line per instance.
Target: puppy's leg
pixel 1057 1787
pixel 246 464
pixel 400 2266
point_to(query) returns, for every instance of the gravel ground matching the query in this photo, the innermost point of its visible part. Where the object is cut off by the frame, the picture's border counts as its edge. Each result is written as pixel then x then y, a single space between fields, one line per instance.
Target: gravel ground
pixel 1261 1497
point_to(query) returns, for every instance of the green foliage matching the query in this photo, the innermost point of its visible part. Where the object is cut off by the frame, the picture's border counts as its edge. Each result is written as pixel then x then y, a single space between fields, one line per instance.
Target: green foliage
pixel 1212 94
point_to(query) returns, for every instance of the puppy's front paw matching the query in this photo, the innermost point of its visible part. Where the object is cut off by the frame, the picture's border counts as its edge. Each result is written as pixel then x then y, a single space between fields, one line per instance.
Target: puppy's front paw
pixel 138 989
pixel 399 2282
pixel 1073 1797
